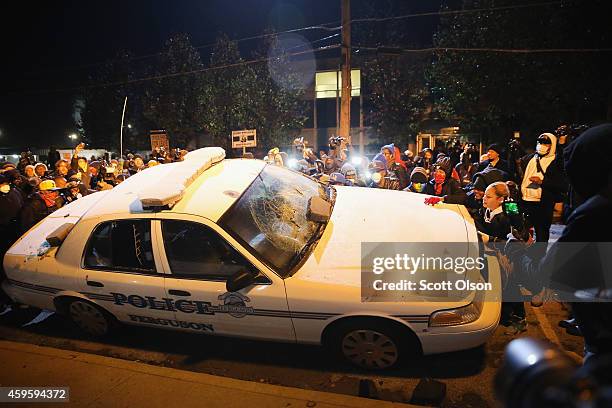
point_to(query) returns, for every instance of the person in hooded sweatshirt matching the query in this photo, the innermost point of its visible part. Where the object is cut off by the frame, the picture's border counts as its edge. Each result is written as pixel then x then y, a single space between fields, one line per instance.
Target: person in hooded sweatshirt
pixel 542 185
pixel 395 165
pixel 581 268
pixel 445 188
pixel 40 170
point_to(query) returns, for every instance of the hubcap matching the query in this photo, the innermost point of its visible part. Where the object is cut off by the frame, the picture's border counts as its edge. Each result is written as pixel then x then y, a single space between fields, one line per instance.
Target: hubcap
pixel 370 349
pixel 89 318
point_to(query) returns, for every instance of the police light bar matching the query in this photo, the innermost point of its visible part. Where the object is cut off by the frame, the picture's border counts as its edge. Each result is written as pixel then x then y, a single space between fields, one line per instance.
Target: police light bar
pixel 172 185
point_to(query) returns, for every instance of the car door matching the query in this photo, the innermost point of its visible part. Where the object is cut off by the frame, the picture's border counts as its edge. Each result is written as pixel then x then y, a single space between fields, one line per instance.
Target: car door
pixel 199 259
pixel 118 272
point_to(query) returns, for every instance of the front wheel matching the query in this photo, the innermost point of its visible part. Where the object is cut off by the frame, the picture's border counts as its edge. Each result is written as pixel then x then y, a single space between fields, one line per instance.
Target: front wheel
pixel 370 349
pixel 372 344
pixel 90 318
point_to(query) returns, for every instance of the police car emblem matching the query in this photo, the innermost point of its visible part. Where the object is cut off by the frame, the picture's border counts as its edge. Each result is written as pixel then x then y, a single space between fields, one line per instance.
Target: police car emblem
pixel 234 304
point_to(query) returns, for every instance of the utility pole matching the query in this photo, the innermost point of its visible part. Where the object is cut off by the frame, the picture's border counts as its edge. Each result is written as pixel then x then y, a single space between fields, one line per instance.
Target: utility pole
pixel 121 131
pixel 345 92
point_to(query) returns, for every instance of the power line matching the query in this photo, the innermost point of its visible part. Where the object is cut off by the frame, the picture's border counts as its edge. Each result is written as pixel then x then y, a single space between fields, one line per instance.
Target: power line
pixel 394 50
pixel 322 26
pixel 454 12
pixel 177 74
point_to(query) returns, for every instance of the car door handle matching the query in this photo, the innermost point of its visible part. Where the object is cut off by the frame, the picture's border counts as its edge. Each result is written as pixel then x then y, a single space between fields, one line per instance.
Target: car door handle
pixel 96 284
pixel 179 292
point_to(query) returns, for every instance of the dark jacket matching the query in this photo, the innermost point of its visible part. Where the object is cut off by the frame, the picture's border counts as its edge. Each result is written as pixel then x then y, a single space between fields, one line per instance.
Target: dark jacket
pixel 501 165
pixel 35 209
pixel 498 227
pixel 401 174
pixel 451 191
pixel 52 157
pixel 11 204
pixel 85 176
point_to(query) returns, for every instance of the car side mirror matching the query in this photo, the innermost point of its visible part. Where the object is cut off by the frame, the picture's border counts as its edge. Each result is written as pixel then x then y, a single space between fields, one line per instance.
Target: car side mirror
pixel 319 210
pixel 240 280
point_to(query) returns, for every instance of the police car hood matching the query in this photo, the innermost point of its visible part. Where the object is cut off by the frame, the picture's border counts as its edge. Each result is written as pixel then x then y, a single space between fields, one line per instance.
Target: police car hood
pixel 375 215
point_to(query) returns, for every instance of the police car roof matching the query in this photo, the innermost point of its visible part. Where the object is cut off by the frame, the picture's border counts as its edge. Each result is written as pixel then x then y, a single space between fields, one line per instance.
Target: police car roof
pixel 209 195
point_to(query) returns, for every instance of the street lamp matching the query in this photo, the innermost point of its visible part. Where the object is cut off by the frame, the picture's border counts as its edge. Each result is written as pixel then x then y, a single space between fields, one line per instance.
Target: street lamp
pixel 73 136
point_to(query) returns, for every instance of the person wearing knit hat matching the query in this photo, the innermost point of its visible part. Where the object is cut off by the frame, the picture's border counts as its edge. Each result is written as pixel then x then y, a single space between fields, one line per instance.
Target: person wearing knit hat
pixel 443 187
pixel 418 180
pixel 337 179
pixel 494 159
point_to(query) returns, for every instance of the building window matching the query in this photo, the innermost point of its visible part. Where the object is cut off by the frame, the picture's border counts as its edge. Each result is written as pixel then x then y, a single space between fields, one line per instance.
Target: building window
pixel 328 83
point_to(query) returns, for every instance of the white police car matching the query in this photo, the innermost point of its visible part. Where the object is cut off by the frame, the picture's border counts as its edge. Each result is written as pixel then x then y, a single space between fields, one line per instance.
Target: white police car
pixel 241 248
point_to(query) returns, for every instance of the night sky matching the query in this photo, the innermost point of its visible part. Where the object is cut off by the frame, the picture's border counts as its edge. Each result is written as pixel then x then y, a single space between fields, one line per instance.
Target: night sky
pixel 52 45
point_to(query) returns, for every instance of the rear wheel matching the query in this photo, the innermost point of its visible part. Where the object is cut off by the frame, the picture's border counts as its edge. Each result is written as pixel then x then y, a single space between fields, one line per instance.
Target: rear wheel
pixel 90 318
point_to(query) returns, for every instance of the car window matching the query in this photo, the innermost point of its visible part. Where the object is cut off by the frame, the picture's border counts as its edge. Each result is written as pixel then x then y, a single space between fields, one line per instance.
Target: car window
pixel 122 245
pixel 270 218
pixel 195 251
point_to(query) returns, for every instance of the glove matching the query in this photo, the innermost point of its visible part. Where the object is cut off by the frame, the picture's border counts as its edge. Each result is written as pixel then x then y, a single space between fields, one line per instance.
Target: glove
pixel 433 200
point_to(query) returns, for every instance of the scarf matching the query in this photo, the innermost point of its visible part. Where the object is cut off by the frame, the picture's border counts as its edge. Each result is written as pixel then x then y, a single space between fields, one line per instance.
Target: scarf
pixel 49 199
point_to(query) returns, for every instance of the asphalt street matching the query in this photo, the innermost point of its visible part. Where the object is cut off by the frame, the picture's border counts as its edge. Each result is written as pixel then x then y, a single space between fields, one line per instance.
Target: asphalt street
pixel 461 379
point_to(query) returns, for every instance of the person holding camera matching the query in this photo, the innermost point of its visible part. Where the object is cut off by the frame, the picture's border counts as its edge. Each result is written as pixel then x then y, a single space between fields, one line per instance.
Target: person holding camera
pixel 79 165
pixel 542 185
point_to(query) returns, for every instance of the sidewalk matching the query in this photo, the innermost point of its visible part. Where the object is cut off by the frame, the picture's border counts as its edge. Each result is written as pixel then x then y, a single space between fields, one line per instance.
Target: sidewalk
pixel 97 381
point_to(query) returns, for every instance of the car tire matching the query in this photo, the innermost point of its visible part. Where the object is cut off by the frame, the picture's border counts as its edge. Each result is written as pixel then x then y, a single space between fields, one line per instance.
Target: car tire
pixel 371 344
pixel 90 318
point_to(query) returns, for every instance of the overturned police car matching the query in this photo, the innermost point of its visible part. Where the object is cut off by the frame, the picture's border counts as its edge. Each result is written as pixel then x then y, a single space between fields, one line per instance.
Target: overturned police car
pixel 241 248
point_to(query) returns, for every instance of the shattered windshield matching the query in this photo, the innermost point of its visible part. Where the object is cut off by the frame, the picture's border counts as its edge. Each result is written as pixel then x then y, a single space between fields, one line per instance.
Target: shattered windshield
pixel 270 217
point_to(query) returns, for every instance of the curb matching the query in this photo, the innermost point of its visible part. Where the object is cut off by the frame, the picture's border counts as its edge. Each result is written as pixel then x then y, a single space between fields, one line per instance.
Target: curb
pixel 232 391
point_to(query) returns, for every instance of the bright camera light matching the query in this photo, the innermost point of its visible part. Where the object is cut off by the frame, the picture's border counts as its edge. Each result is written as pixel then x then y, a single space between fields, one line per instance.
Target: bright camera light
pixel 357 160
pixel 292 162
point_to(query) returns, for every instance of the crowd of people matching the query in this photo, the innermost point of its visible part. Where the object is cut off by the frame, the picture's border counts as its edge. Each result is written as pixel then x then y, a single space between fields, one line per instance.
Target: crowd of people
pixel 30 190
pixel 454 174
